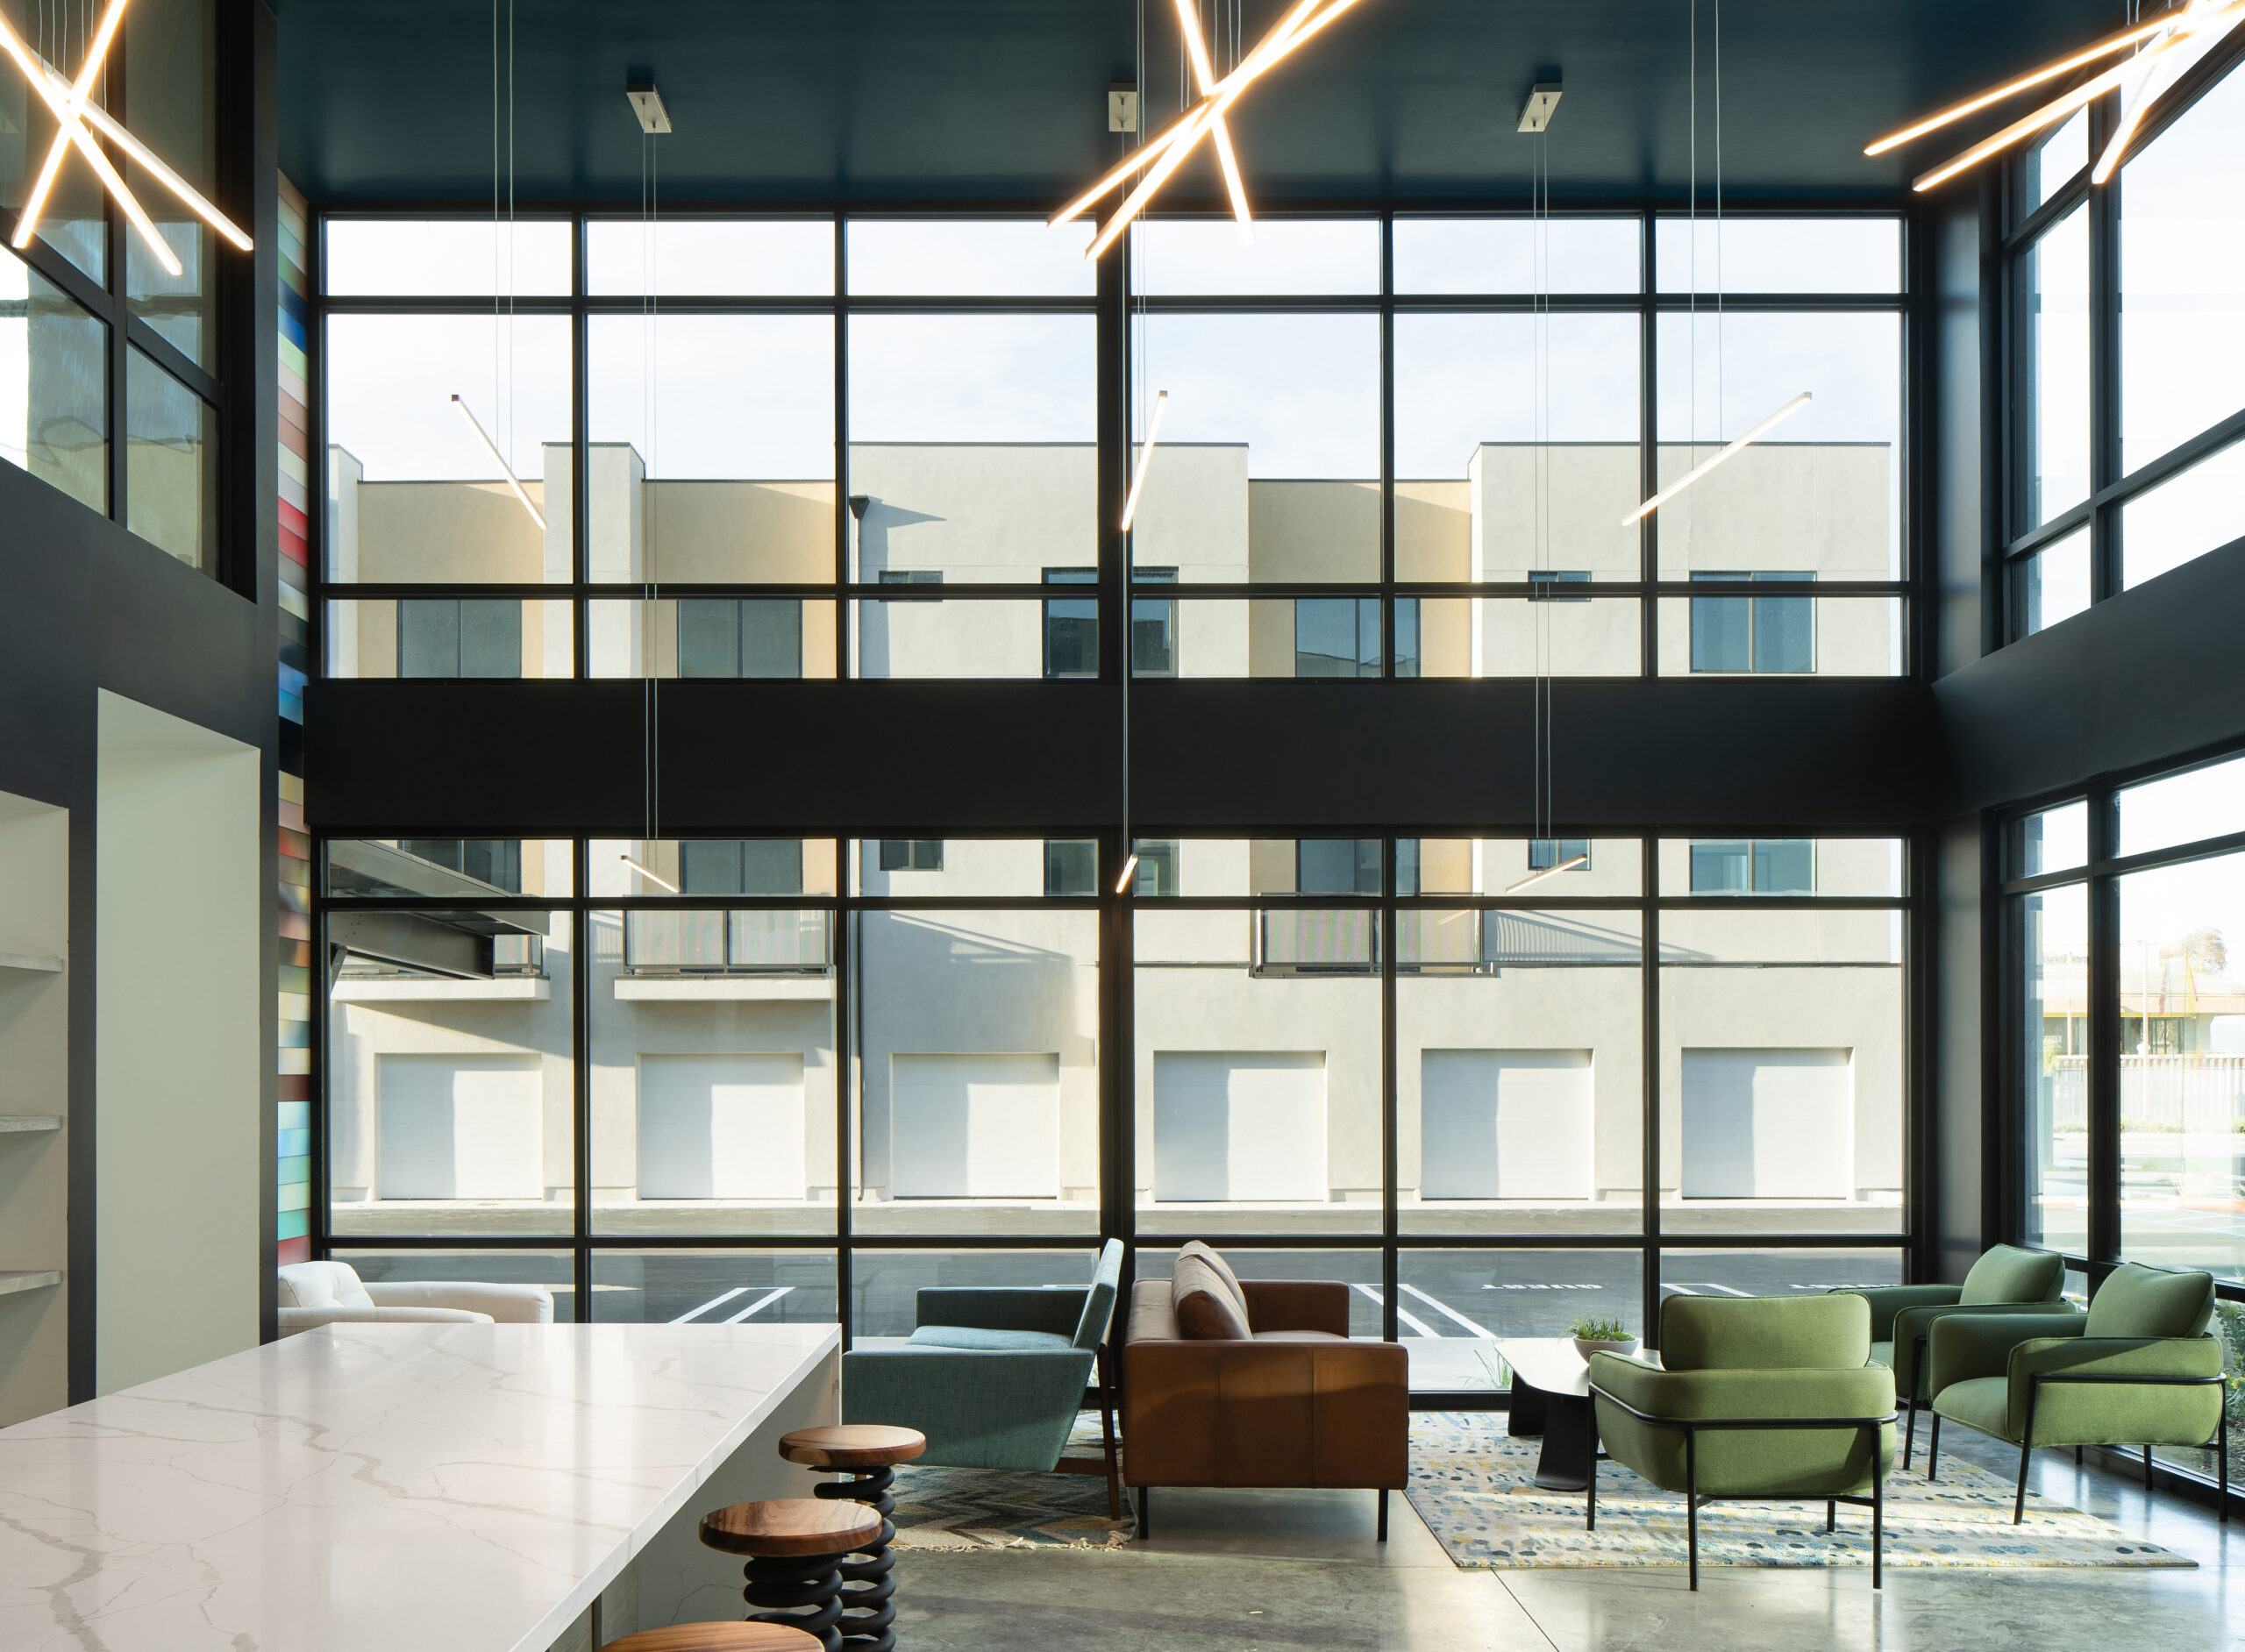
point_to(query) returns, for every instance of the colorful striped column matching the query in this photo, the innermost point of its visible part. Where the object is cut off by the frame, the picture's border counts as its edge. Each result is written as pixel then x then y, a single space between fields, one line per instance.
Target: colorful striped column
pixel 294 908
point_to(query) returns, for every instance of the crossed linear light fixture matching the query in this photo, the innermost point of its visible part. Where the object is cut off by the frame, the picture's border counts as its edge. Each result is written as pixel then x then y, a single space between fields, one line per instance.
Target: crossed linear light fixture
pixel 73 112
pixel 1162 156
pixel 500 460
pixel 2168 44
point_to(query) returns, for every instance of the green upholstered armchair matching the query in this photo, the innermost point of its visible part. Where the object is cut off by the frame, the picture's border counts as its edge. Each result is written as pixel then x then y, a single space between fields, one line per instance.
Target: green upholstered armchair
pixel 2005 1279
pixel 1756 1397
pixel 994 1375
pixel 2138 1369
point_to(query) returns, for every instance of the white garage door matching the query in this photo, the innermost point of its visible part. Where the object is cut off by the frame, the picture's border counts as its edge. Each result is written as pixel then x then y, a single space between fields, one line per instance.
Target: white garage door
pixel 1504 1124
pixel 721 1126
pixel 1234 1126
pixel 458 1127
pixel 1768 1124
pixel 975 1127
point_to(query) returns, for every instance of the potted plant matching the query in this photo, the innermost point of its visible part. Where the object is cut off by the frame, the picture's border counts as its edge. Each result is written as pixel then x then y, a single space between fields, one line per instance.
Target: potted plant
pixel 1596 1336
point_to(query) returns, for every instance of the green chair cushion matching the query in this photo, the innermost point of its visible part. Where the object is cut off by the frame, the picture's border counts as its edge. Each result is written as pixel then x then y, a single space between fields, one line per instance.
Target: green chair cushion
pixel 2005 1273
pixel 2139 1302
pixel 1764 1332
pixel 1979 1403
pixel 1883 1354
pixel 976 1336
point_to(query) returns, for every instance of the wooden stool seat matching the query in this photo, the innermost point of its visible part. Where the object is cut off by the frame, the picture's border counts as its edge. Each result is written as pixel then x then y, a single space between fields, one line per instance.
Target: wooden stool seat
pixel 789 1526
pixel 853 1445
pixel 717 1637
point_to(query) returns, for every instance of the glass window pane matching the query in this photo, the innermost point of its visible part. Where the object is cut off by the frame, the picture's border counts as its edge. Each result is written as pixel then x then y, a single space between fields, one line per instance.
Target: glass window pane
pixel 1258 1036
pixel 1358 1270
pixel 1520 1070
pixel 1516 637
pixel 171 464
pixel 713 1066
pixel 717 465
pixel 2054 276
pixel 1779 255
pixel 1731 1272
pixel 962 258
pixel 971 446
pixel 2052 163
pixel 1828 866
pixel 444 258
pixel 769 866
pixel 710 257
pixel 2182 1066
pixel 447 868
pixel 714 1287
pixel 734 637
pixel 2200 510
pixel 2050 841
pixel 1517 255
pixel 445 637
pixel 2051 1063
pixel 2183 277
pixel 1254 866
pixel 74 219
pixel 1461 1301
pixel 2184 809
pixel 1823 635
pixel 1819 494
pixel 1781 1084
pixel 419 410
pixel 1544 477
pixel 451 1087
pixel 1192 257
pixel 555 1270
pixel 918 867
pixel 53 386
pixel 1570 866
pixel 978 1070
pixel 885 1285
pixel 171 94
pixel 1268 466
pixel 2050 584
pixel 974 638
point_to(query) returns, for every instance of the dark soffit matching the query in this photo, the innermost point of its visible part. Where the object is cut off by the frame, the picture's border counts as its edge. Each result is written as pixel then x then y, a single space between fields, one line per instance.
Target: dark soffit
pixel 1002 101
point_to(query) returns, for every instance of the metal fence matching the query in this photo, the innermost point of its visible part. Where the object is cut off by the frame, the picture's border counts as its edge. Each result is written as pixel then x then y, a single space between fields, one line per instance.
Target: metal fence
pixel 756 942
pixel 2189 1093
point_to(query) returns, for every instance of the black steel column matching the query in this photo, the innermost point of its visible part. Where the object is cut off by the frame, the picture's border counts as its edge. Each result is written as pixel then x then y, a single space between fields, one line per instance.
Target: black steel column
pixel 2105 1031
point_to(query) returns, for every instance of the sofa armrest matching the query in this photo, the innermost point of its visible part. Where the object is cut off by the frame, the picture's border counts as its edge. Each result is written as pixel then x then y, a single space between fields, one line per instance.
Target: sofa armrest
pixel 1000 1409
pixel 1297 1304
pixel 2117 1357
pixel 1913 1323
pixel 1887 1300
pixel 295 1319
pixel 1961 1347
pixel 1864 1392
pixel 507 1303
pixel 1000 1308
pixel 1309 1413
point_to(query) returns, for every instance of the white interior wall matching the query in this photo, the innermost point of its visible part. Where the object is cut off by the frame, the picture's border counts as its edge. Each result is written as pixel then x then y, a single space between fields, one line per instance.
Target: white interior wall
pixel 180 934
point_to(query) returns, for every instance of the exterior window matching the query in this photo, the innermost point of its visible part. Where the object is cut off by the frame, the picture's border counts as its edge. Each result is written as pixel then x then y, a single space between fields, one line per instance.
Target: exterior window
pixel 1544 853
pixel 1071 628
pixel 1760 865
pixel 911 576
pixel 1071 865
pixel 497 861
pixel 1406 637
pixel 745 637
pixel 1555 576
pixel 1336 636
pixel 1156 873
pixel 741 866
pixel 1153 626
pixel 171 464
pixel 911 854
pixel 1758 634
pixel 464 637
pixel 55 399
pixel 1336 865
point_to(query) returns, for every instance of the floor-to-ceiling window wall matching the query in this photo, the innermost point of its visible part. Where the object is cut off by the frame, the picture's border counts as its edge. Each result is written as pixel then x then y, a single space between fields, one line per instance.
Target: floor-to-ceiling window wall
pixel 1492 1080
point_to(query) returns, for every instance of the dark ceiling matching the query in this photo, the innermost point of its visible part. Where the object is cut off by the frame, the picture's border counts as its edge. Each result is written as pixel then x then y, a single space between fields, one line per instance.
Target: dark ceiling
pixel 1002 102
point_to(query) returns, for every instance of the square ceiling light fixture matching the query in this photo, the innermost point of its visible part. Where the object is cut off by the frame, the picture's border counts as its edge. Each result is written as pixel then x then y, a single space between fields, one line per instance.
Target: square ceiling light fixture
pixel 647 105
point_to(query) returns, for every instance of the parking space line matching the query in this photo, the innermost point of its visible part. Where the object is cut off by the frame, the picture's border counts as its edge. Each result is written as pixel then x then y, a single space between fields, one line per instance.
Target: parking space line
pixel 1416 1323
pixel 1441 1306
pixel 1702 1288
pixel 714 1301
pixel 762 1301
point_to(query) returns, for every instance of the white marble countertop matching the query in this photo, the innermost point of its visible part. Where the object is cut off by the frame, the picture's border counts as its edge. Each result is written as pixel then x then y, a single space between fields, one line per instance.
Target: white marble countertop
pixel 375 1488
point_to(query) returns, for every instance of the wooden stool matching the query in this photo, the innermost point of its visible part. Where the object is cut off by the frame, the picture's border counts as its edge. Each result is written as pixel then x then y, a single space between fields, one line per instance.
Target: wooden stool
pixel 869 1452
pixel 716 1637
pixel 794 1546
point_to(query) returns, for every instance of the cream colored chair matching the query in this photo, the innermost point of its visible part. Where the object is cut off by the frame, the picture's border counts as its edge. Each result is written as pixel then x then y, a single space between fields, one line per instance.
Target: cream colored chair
pixel 315 1293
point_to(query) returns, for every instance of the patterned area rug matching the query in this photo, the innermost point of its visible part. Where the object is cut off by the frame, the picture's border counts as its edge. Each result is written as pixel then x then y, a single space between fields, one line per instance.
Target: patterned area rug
pixel 1472 1485
pixel 996 1508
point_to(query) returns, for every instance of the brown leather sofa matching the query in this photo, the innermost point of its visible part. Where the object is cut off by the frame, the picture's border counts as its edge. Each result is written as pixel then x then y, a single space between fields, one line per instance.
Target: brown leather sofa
pixel 1295 1404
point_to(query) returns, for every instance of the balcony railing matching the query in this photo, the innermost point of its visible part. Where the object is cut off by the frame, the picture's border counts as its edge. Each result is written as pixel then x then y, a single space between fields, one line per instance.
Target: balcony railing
pixel 1464 941
pixel 2190 1093
pixel 754 942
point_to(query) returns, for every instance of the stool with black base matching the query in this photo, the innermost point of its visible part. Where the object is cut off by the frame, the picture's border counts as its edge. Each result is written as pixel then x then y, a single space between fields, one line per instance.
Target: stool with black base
pixel 795 1547
pixel 716 1637
pixel 868 1452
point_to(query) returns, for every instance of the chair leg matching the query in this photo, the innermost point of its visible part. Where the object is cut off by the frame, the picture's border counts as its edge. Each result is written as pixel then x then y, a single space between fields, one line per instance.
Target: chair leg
pixel 1877 1528
pixel 1933 1450
pixel 2078 1458
pixel 1831 1516
pixel 1145 1513
pixel 1590 1508
pixel 1909 1429
pixel 1383 1515
pixel 2146 1468
pixel 2221 1457
pixel 2019 1500
pixel 1691 1509
pixel 1108 1444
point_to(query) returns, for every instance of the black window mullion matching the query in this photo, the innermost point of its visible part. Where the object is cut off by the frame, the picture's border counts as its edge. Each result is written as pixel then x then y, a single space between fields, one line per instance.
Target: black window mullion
pixel 2104 1227
pixel 2105 550
pixel 1649 1119
pixel 1649 453
pixel 581 973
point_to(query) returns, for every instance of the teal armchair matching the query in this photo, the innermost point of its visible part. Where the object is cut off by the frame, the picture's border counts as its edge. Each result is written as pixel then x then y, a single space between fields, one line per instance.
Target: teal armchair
pixel 2005 1279
pixel 1756 1397
pixel 2138 1369
pixel 994 1375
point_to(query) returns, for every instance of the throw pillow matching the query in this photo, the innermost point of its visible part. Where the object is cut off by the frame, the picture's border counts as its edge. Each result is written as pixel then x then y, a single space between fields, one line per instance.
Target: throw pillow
pixel 1204 1309
pixel 1195 1247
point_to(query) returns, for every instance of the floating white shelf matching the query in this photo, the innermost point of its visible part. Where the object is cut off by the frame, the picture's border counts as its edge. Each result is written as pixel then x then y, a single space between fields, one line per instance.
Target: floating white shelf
pixel 31 961
pixel 17 1123
pixel 15 1279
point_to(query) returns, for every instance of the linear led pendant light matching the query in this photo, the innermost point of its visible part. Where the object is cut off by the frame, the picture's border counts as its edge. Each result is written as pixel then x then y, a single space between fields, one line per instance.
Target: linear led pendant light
pixel 1548 872
pixel 1165 154
pixel 1707 465
pixel 500 460
pixel 1145 459
pixel 2169 44
pixel 69 101
pixel 651 876
pixel 1204 76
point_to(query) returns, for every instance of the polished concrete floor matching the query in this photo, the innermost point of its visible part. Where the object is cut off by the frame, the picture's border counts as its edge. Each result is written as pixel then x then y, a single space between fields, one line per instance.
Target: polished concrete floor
pixel 1271 1572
